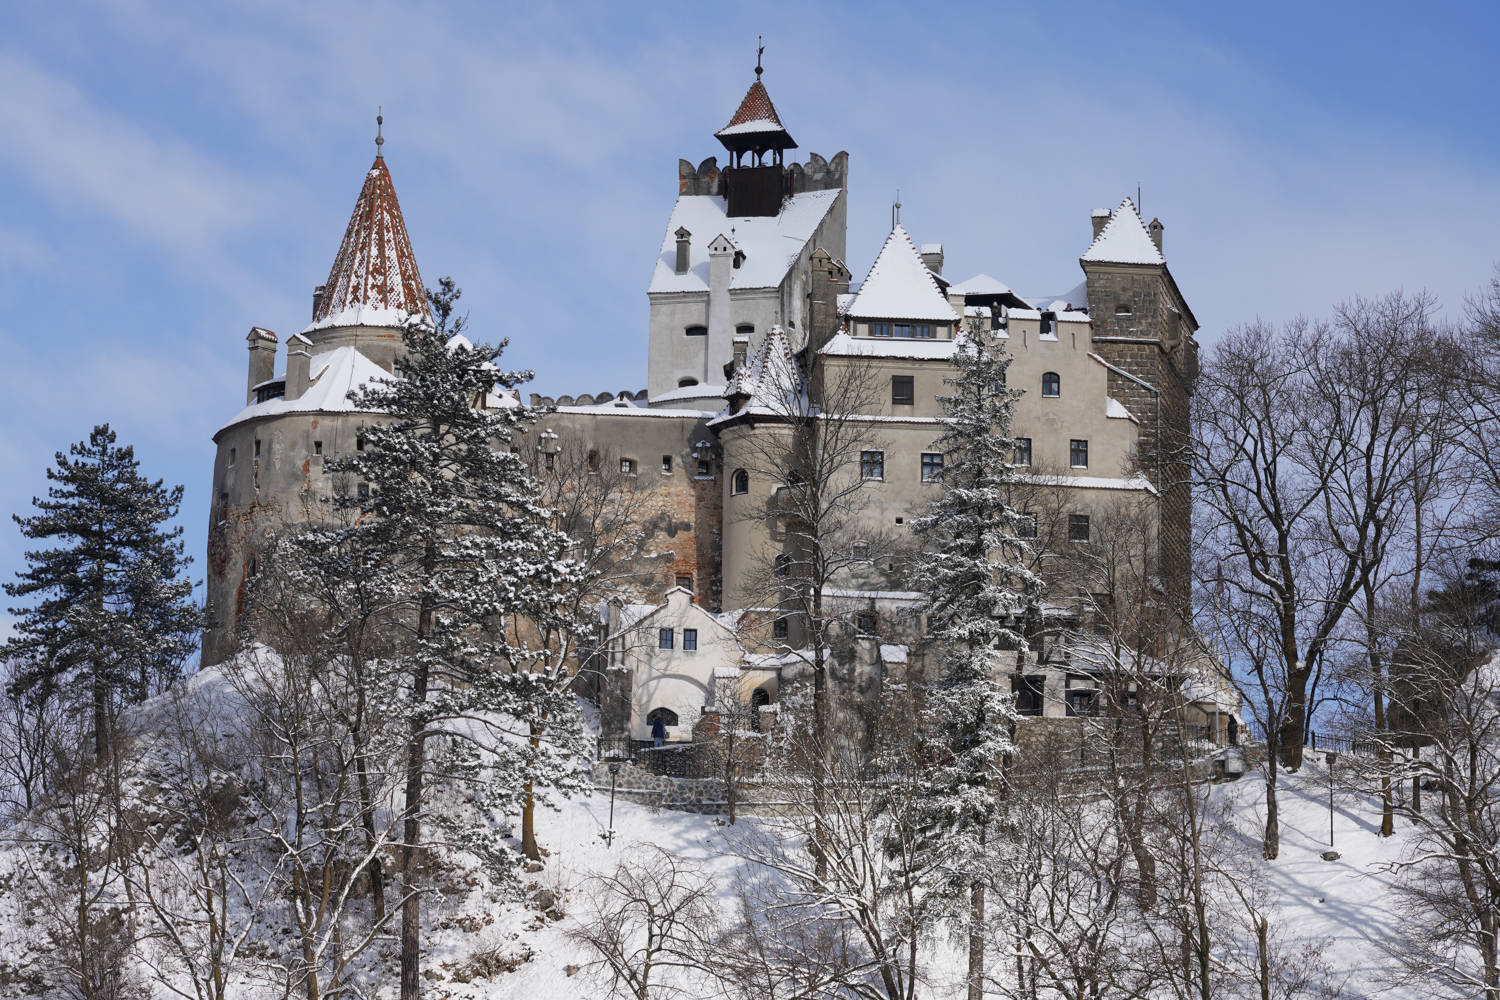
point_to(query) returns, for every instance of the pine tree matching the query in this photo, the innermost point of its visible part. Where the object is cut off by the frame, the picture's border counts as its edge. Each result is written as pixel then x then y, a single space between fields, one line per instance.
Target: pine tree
pixel 974 573
pixel 114 607
pixel 452 526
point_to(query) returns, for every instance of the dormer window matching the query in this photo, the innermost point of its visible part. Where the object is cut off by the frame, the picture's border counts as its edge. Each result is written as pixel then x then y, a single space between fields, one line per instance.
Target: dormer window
pixel 697 331
pixel 880 329
pixel 903 329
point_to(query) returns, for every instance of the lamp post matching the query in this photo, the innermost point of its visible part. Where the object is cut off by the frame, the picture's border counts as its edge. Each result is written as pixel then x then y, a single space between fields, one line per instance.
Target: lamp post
pixel 614 774
pixel 1330 757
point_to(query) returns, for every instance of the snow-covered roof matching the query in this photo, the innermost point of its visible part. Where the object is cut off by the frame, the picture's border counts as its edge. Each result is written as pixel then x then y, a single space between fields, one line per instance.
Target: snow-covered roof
pixel 771 378
pixel 900 286
pixel 334 374
pixel 374 280
pixel 1115 410
pixel 1124 240
pixel 706 392
pixel 1061 317
pixel 980 284
pixel 844 346
pixel 1089 482
pixel 770 244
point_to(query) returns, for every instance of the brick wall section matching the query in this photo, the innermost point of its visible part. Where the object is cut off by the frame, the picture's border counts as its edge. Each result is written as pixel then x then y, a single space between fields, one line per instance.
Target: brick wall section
pixel 1153 342
pixel 683 525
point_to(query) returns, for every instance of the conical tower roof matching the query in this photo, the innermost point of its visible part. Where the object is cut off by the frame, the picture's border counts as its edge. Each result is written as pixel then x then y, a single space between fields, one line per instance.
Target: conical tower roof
pixel 374 281
pixel 756 125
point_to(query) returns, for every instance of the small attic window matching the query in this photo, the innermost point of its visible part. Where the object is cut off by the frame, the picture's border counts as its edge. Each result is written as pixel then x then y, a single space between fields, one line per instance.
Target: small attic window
pixel 1123 309
pixel 683 383
pixel 697 331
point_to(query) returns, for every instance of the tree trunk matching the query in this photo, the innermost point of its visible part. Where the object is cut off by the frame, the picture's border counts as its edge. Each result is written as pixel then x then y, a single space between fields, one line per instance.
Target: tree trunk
pixel 976 943
pixel 1263 957
pixel 1294 720
pixel 411 914
pixel 1272 845
pixel 528 824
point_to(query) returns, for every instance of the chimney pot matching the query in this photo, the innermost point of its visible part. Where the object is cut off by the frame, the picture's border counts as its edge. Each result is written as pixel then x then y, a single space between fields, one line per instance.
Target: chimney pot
pixel 1100 218
pixel 932 256
pixel 298 365
pixel 684 257
pixel 262 343
pixel 1156 228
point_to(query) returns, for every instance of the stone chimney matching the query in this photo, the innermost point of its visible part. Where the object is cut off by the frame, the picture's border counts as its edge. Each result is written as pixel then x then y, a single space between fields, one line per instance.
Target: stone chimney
pixel 684 258
pixel 1100 219
pixel 721 253
pixel 262 360
pixel 932 256
pixel 298 362
pixel 317 300
pixel 830 279
pixel 1156 227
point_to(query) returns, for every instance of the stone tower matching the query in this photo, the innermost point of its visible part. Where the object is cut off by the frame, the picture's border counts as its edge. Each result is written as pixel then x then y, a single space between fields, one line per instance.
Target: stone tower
pixel 268 470
pixel 1144 329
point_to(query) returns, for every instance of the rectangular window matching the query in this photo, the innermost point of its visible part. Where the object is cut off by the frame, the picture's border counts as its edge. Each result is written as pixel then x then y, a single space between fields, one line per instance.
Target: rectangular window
pixel 364 491
pixel 903 329
pixel 549 459
pixel 1078 454
pixel 666 464
pixel 231 458
pixel 704 467
pixel 778 629
pixel 664 639
pixel 359 444
pixel 903 393
pixel 866 624
pixel 1030 699
pixel 872 465
pixel 257 447
pixel 921 329
pixel 1023 452
pixel 1026 526
pixel 1080 702
pixel 880 329
pixel 932 466
pixel 1078 527
pixel 317 447
pixel 627 466
pixel 689 638
pixel 685 582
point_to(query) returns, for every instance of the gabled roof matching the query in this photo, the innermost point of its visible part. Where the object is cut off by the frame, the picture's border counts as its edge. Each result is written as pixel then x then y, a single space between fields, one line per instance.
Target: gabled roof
pixel 981 284
pixel 756 123
pixel 900 286
pixel 1123 240
pixel 374 280
pixel 770 243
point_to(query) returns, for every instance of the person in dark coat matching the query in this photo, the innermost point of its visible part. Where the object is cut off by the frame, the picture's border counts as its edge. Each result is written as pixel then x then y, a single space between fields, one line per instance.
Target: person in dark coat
pixel 658 731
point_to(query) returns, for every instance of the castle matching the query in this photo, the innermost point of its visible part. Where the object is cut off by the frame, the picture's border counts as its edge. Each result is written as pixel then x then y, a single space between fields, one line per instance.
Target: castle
pixel 748 290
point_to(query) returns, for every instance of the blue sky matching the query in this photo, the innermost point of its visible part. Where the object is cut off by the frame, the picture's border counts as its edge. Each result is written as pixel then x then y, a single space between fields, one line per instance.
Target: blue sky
pixel 174 173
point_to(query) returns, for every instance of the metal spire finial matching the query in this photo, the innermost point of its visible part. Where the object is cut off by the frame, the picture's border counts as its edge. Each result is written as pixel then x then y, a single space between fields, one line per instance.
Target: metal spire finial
pixel 760 40
pixel 896 210
pixel 379 126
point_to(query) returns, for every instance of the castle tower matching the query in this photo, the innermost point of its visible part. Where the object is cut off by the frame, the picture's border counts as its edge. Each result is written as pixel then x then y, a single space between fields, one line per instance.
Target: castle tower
pixel 268 470
pixel 1143 327
pixel 752 246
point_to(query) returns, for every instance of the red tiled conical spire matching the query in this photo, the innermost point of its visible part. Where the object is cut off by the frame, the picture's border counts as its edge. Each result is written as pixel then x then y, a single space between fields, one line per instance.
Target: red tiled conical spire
pixel 374 281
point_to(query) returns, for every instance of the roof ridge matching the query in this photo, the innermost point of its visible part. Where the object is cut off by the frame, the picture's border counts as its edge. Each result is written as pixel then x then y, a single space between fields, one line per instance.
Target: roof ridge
pixel 375 268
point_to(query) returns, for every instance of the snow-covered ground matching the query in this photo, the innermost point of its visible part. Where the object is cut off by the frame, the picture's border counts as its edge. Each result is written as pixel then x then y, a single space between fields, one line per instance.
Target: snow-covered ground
pixel 1341 902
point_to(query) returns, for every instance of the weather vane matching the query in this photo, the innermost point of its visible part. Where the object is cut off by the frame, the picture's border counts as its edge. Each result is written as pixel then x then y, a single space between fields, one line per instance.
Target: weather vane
pixel 896 210
pixel 760 40
pixel 379 126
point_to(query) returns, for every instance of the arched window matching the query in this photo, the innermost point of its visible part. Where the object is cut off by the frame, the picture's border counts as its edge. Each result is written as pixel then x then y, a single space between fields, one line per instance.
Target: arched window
pixel 759 697
pixel 741 482
pixel 745 329
pixel 683 383
pixel 697 331
pixel 782 563
pixel 1051 384
pixel 666 715
pixel 1122 309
